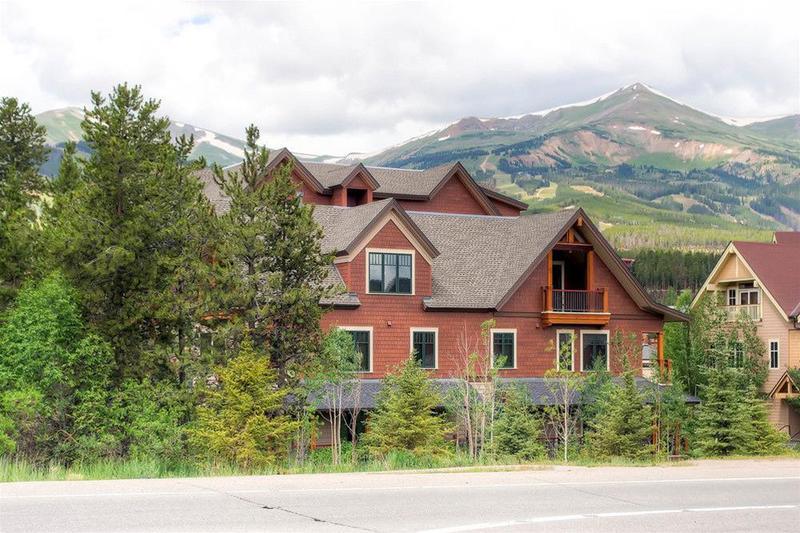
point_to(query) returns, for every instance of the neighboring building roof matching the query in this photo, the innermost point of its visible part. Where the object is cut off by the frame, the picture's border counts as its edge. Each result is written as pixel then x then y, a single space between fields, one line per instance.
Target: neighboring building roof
pixel 772 264
pixel 483 256
pixel 787 237
pixel 219 200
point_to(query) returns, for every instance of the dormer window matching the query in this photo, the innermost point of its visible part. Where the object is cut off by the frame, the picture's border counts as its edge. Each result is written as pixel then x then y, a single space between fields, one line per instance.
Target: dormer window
pixel 390 273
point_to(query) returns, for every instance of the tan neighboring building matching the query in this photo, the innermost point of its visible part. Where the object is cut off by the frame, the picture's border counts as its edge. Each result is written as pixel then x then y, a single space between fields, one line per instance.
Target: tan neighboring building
pixel 763 281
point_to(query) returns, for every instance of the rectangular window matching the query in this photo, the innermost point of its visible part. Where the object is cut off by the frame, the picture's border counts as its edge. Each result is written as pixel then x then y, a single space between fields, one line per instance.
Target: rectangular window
pixel 737 360
pixel 423 346
pixel 731 296
pixel 390 273
pixel 774 354
pixel 594 350
pixel 362 338
pixel 503 348
pixel 565 350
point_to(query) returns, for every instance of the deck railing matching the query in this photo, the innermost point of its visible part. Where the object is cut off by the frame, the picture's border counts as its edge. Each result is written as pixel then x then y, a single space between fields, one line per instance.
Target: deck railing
pixel 753 311
pixel 575 301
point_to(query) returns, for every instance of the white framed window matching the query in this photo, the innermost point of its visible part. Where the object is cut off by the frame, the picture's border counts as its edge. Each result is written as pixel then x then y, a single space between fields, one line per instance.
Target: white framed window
pixel 774 353
pixel 731 296
pixel 594 349
pixel 737 355
pixel 565 349
pixel 362 338
pixel 390 271
pixel 504 348
pixel 425 346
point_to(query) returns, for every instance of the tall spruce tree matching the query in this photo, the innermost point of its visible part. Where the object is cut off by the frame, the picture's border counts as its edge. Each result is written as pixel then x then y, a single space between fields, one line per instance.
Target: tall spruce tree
pixel 22 151
pixel 623 424
pixel 117 235
pixel 405 418
pixel 272 256
pixel 69 170
pixel 732 420
pixel 517 429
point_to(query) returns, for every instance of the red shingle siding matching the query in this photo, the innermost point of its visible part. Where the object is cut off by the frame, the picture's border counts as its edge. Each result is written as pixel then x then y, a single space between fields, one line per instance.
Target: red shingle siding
pixel 454 197
pixel 528 298
pixel 310 196
pixel 505 209
pixel 358 183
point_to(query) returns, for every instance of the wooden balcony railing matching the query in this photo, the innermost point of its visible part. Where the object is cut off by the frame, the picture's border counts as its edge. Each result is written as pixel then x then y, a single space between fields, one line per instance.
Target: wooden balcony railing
pixel 575 301
pixel 753 311
pixel 563 306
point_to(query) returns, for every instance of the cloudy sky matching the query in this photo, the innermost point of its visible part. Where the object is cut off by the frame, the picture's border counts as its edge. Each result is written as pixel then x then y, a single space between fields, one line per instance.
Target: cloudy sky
pixel 336 77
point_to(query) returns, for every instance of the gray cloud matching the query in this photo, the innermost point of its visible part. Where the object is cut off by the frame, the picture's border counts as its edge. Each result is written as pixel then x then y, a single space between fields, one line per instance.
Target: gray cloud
pixel 337 77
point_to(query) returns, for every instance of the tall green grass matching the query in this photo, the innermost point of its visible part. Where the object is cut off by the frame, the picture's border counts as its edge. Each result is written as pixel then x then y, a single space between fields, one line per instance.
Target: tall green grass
pixel 319 461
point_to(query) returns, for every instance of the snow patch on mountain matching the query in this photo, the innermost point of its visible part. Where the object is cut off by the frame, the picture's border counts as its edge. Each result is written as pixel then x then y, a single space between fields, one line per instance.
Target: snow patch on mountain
pixel 212 139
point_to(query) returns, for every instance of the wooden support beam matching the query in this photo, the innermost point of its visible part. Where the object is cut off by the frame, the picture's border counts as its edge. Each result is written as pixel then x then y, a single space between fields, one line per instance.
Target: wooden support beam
pixel 660 348
pixel 590 270
pixel 548 305
pixel 605 300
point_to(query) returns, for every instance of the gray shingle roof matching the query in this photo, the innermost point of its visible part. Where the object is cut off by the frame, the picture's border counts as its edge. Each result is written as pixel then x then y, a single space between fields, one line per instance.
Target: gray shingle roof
pixel 219 200
pixel 482 257
pixel 342 225
pixel 395 181
pixel 344 299
pixel 329 175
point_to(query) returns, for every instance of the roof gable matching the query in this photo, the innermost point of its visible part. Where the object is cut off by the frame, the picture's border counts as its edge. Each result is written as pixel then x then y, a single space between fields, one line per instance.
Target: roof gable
pixel 347 229
pixel 605 252
pixel 284 156
pixel 458 171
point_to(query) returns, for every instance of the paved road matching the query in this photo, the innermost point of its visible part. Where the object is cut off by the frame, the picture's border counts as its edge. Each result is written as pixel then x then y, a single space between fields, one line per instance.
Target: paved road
pixel 706 496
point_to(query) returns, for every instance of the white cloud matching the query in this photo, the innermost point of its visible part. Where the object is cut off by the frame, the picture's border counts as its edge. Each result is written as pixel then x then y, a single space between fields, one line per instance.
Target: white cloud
pixel 334 77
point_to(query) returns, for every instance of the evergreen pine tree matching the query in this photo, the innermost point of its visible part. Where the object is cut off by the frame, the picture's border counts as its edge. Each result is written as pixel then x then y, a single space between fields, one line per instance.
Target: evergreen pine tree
pixel 69 170
pixel 272 255
pixel 405 417
pixel 517 429
pixel 623 424
pixel 241 421
pixel 762 437
pixel 117 235
pixel 22 151
pixel 721 426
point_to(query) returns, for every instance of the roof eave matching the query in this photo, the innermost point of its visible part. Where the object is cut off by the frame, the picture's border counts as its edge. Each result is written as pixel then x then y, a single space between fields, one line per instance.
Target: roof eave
pixel 500 197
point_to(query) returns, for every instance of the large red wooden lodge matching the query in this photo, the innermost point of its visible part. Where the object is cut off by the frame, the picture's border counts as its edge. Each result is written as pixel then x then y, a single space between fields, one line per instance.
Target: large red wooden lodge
pixel 426 256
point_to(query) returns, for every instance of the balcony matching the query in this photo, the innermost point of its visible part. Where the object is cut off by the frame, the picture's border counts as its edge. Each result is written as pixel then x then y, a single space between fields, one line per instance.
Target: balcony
pixel 753 311
pixel 566 306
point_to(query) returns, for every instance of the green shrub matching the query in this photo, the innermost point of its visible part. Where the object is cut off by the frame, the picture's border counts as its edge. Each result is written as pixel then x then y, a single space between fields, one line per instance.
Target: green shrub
pixel 405 418
pixel 517 429
pixel 240 420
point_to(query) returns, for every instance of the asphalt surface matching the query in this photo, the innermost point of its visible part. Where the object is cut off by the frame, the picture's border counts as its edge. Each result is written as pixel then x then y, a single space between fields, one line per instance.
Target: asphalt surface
pixel 708 496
